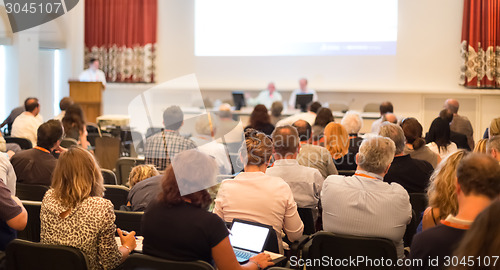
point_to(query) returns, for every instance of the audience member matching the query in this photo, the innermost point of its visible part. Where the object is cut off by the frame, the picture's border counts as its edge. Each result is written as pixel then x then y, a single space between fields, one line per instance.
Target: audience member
pixel 141 172
pixel 363 204
pixel 352 122
pixel 480 146
pixel 229 131
pixel 161 147
pixel 74 125
pixel 13 216
pixel 303 89
pixel 494 128
pixel 415 144
pixel 441 191
pixel 276 109
pixel 142 193
pixel 63 105
pixel 438 138
pixel 309 116
pixel 266 97
pixel 177 226
pixel 482 241
pixel 260 120
pixel 305 182
pixel 254 196
pixel 458 138
pixel 27 123
pixel 337 143
pixel 323 118
pixel 312 155
pixel 412 174
pixel 478 183
pixel 206 126
pixel 8 148
pixel 390 118
pixel 35 166
pixel 460 124
pixel 385 107
pixel 12 116
pixel 8 174
pixel 493 147
pixel 74 213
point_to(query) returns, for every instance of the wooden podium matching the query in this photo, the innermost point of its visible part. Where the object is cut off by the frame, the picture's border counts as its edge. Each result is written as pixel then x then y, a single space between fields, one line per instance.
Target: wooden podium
pixel 89 96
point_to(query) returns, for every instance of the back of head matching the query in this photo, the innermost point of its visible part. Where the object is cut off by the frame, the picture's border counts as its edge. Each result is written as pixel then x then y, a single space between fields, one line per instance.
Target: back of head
pixel 452 105
pixel 285 141
pixel 479 174
pixel 494 129
pixel 73 118
pixel 304 129
pixel 65 103
pixel 76 177
pixel 336 140
pixel 225 111
pixel 323 117
pixel 390 117
pixel 276 108
pixel 141 172
pixel 206 124
pixel 493 144
pixel 352 122
pixel 439 132
pixel 446 115
pixel 173 117
pixel 481 146
pixel 49 133
pixel 413 132
pixel 259 148
pixel 30 104
pixel 395 133
pixel 376 154
pixel 386 107
pixel 314 107
pixel 259 116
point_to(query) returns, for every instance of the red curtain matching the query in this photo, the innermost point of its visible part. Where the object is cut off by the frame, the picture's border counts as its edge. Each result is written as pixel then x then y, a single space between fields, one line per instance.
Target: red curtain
pixel 481 44
pixel 122 35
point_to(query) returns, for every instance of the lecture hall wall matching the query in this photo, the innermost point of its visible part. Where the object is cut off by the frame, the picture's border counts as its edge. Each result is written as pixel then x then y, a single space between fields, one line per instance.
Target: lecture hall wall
pixel 422 74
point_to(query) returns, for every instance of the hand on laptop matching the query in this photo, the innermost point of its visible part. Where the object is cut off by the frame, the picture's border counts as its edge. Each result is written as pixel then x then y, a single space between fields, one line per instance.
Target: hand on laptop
pixel 262 260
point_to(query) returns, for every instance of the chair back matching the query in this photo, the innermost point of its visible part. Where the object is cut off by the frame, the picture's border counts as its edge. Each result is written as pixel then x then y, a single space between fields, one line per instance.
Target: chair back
pixel 345 247
pixel 68 142
pixel 124 166
pixel 22 142
pixel 32 230
pixel 146 262
pixel 107 151
pixel 411 229
pixel 109 177
pixel 419 203
pixel 30 192
pixel 116 194
pixel 129 221
pixel 26 255
pixel 306 215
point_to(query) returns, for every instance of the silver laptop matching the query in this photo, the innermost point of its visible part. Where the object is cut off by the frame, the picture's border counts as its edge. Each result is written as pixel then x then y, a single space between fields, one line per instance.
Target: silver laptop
pixel 248 239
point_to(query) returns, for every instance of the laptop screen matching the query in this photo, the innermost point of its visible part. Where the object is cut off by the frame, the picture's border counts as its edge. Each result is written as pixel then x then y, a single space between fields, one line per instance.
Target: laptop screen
pixel 248 236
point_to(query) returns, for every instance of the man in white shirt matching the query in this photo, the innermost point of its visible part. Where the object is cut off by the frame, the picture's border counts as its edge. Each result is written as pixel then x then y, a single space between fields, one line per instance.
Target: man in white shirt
pixel 266 97
pixel 309 116
pixel 27 123
pixel 302 90
pixel 305 182
pixel 363 204
pixel 93 73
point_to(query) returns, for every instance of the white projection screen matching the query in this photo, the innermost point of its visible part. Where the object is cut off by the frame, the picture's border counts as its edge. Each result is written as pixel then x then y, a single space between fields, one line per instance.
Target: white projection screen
pixel 295 27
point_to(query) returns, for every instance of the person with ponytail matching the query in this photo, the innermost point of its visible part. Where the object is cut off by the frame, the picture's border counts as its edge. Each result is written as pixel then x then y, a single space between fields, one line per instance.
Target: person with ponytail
pixel 415 144
pixel 74 125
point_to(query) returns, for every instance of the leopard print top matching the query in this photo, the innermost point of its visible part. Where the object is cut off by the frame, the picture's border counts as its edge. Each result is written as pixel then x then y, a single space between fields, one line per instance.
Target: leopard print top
pixel 89 227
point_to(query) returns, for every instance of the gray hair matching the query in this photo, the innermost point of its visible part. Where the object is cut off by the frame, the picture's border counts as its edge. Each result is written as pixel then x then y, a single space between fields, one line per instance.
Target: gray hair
pixel 352 122
pixel 395 133
pixel 194 171
pixel 205 125
pixel 376 154
pixel 493 143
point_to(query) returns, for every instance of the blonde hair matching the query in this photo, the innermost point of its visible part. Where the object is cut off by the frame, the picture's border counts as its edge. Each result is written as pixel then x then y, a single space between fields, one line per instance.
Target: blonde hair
pixel 336 140
pixel 441 191
pixel 76 177
pixel 494 129
pixel 481 146
pixel 141 172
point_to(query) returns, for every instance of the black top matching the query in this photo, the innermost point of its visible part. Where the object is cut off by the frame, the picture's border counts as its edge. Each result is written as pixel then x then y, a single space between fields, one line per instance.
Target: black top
pixel 348 162
pixel 8 210
pixel 412 174
pixel 144 192
pixel 460 140
pixel 182 233
pixel 266 129
pixel 34 166
pixel 436 242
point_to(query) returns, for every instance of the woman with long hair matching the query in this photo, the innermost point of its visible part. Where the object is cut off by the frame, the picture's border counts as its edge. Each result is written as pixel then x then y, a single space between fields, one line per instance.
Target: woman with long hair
pixel 415 144
pixel 438 138
pixel 74 213
pixel 177 225
pixel 323 118
pixel 337 143
pixel 260 120
pixel 74 125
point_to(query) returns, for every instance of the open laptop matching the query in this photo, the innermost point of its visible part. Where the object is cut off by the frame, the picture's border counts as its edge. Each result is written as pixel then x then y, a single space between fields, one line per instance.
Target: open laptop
pixel 248 238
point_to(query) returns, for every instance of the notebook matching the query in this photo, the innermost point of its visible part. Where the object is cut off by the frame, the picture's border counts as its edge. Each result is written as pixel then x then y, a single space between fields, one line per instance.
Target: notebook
pixel 248 239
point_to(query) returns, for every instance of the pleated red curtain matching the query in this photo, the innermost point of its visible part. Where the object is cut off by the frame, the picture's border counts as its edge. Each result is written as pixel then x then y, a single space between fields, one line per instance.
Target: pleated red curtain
pixel 481 44
pixel 122 35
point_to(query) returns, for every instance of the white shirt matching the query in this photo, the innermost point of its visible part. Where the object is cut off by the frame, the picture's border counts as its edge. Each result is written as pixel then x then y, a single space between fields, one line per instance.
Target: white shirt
pixel 366 206
pixel 93 75
pixel 450 149
pixel 60 116
pixel 7 174
pixel 265 98
pixel 305 182
pixel 257 197
pixel 206 145
pixel 293 96
pixel 26 126
pixel 310 117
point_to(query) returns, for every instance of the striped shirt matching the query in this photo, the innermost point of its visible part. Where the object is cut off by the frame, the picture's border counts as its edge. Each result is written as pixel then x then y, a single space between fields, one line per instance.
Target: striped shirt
pixel 159 154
